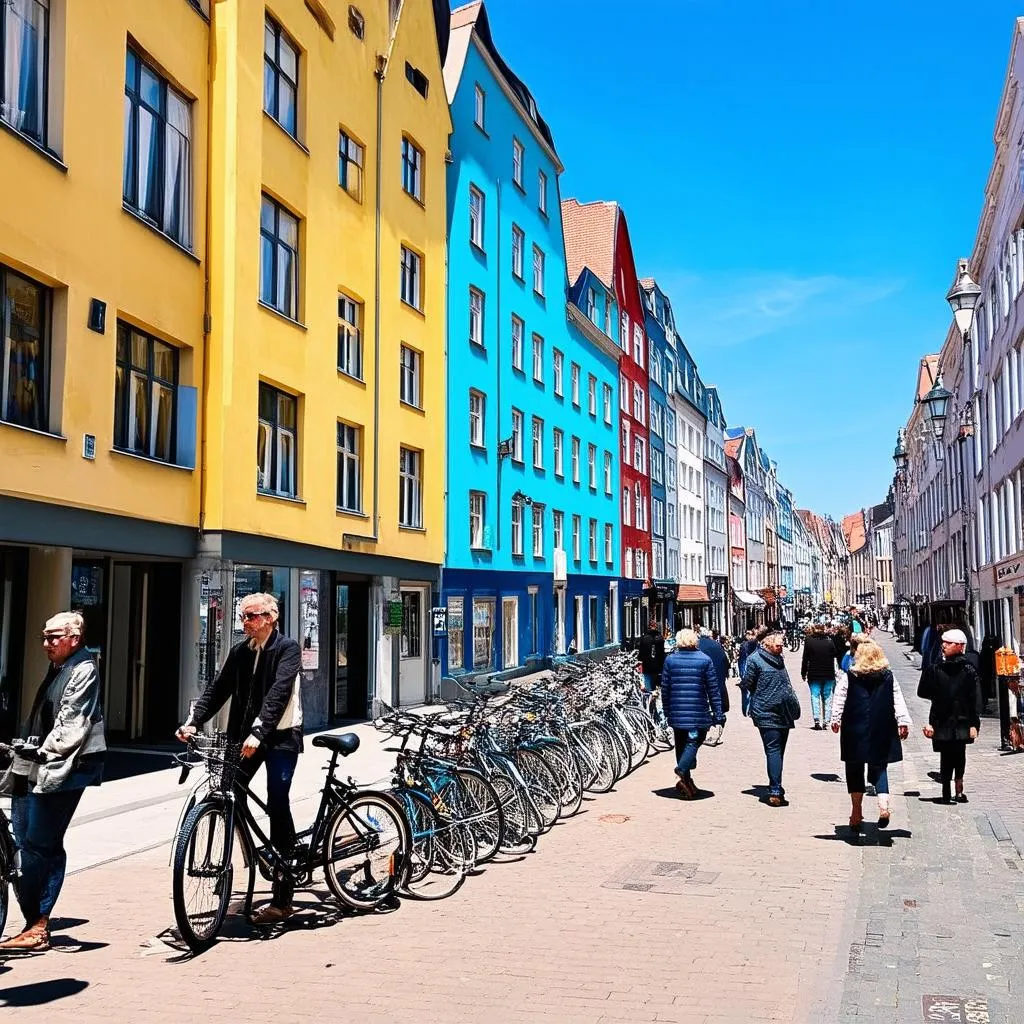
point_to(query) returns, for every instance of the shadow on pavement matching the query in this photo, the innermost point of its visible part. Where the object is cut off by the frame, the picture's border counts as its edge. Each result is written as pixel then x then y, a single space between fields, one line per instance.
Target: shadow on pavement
pixel 824 776
pixel 41 992
pixel 671 793
pixel 871 836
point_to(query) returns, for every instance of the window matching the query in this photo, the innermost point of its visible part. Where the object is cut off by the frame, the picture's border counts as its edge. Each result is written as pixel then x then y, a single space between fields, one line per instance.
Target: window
pixel 638 504
pixel 483 632
pixel 638 403
pixel 479 107
pixel 518 244
pixel 349 477
pixel 410 378
pixel 517 162
pixel 279 259
pixel 24 351
pixel 476 418
pixel 538 359
pixel 411 279
pixel 517 343
pixel 517 436
pixel 658 515
pixel 673 526
pixel 350 336
pixel 575 460
pixel 655 368
pixel 576 522
pixel 638 454
pixel 25 34
pixel 556 358
pixel 592 466
pixel 542 192
pixel 476 317
pixel 280 77
pixel 538 443
pixel 410 488
pixel 558 442
pixel 657 472
pixel 638 344
pixel 477 507
pixel 412 169
pixel 476 216
pixel 538 531
pixel 592 540
pixel 623 393
pixel 625 443
pixel 624 332
pixel 609 537
pixel 574 383
pixel 607 394
pixel 276 442
pixel 592 394
pixel 558 529
pixel 145 395
pixel 607 472
pixel 538 271
pixel 517 528
pixel 627 519
pixel 592 305
pixel 416 78
pixel 351 158
pixel 157 179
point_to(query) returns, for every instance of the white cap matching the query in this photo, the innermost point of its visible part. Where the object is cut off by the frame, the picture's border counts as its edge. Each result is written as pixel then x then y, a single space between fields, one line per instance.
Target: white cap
pixel 954 636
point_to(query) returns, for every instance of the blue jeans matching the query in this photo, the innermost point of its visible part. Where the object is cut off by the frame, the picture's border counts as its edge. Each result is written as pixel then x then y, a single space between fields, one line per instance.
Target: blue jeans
pixel 774 741
pixel 280 771
pixel 878 776
pixel 40 821
pixel 821 698
pixel 688 742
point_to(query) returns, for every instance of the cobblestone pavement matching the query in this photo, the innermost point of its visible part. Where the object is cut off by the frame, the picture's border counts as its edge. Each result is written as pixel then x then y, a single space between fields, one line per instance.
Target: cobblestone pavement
pixel 642 908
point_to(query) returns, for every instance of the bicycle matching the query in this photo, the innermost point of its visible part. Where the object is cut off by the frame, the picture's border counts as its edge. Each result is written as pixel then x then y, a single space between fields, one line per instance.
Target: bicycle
pixel 359 838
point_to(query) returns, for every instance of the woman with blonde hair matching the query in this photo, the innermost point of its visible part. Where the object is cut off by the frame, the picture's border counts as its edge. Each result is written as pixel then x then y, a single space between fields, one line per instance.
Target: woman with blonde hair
pixel 871 716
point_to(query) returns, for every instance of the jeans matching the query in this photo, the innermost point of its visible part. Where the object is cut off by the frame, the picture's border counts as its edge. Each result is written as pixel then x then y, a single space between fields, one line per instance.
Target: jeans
pixel 878 776
pixel 774 741
pixel 688 742
pixel 744 701
pixel 821 697
pixel 280 770
pixel 40 821
pixel 952 760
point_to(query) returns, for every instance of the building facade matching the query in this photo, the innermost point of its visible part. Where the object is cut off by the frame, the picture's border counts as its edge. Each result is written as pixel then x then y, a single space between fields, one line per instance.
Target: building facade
pixel 716 512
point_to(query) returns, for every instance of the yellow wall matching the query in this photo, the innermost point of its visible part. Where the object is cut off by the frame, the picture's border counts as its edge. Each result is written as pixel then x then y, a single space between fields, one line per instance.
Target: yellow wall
pixel 68 230
pixel 249 343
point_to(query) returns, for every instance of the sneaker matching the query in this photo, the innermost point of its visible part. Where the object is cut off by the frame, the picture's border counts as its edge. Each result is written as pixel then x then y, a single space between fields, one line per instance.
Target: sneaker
pixel 817 726
pixel 775 800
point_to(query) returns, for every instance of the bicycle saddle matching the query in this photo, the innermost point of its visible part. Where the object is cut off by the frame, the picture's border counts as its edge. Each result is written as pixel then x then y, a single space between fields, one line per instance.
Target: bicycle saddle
pixel 345 744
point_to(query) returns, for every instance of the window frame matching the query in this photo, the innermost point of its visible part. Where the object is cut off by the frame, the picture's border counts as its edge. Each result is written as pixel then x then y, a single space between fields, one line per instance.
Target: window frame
pixel 44 342
pixel 518 162
pixel 413 164
pixel 517 341
pixel 539 264
pixel 477 306
pixel 350 334
pixel 476 537
pixel 478 420
pixel 542 192
pixel 517 528
pixel 558 450
pixel 273 64
pixel 347 141
pixel 480 107
pixel 477 206
pixel 537 529
pixel 410 375
pixel 517 436
pixel 537 343
pixel 346 457
pixel 125 399
pixel 42 138
pixel 411 272
pixel 574 458
pixel 518 250
pixel 537 441
pixel 277 243
pixel 410 486
pixel 275 442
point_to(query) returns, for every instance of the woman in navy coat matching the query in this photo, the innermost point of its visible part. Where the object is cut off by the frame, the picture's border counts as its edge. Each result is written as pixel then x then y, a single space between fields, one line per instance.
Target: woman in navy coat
pixel 692 700
pixel 871 717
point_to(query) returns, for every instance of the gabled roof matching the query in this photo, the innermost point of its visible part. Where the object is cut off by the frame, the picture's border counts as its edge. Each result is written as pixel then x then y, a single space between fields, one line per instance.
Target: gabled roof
pixel 927 371
pixel 854 532
pixel 589 231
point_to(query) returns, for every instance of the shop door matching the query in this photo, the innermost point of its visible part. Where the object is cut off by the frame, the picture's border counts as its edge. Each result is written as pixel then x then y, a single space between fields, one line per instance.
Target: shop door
pixel 351 647
pixel 412 667
pixel 509 632
pixel 13 578
pixel 560 621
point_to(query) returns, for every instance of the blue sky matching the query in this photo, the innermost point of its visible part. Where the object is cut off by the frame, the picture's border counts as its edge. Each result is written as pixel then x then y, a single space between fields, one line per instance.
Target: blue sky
pixel 799 177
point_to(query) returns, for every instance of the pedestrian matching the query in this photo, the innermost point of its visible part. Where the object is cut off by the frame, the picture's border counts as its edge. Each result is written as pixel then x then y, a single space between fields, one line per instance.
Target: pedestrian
pixel 871 718
pixel 47 779
pixel 818 670
pixel 952 686
pixel 651 649
pixel 774 708
pixel 692 698
pixel 747 648
pixel 262 678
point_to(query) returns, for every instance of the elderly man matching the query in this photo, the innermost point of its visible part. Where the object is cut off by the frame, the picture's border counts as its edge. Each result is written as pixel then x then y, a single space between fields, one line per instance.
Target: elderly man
pixel 261 675
pixel 65 754
pixel 953 687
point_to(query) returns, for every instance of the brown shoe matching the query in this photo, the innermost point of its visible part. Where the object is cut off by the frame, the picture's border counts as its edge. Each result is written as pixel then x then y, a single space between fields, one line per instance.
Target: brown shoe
pixel 31 940
pixel 271 914
pixel 775 801
pixel 687 790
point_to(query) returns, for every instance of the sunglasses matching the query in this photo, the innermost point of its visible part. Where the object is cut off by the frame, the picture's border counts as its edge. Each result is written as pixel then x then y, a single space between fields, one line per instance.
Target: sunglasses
pixel 249 616
pixel 50 638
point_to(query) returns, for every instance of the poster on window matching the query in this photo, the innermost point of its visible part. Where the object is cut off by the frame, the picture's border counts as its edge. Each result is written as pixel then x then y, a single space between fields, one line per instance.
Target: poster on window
pixel 309 619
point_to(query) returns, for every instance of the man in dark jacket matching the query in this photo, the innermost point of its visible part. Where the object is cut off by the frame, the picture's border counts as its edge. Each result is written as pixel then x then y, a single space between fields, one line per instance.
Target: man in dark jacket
pixel 953 687
pixel 262 678
pixel 651 649
pixel 716 652
pixel 818 670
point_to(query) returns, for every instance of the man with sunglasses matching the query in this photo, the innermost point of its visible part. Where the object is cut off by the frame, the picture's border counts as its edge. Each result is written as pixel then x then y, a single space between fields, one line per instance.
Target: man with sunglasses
pixel 262 677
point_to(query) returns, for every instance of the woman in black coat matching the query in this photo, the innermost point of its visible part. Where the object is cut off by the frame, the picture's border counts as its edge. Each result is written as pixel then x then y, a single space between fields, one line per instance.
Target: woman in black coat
pixel 952 686
pixel 872 718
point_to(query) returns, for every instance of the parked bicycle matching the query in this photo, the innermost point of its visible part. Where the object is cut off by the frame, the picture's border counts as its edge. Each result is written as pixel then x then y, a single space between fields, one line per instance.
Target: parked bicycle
pixel 359 838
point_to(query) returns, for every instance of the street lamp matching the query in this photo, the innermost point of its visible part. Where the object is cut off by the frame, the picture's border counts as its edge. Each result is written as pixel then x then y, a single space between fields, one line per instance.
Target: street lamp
pixel 936 407
pixel 900 456
pixel 963 297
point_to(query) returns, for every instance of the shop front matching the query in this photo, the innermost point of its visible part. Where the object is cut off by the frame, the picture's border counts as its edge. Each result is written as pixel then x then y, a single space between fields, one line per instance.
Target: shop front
pixel 718 595
pixel 661 599
pixel 748 609
pixel 692 605
pixel 635 611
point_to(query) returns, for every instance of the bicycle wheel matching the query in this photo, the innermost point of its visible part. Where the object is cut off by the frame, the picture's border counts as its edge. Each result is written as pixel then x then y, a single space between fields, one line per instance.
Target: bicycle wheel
pixel 484 815
pixel 642 729
pixel 442 851
pixel 542 784
pixel 516 836
pixel 202 875
pixel 366 842
pixel 603 751
pixel 559 759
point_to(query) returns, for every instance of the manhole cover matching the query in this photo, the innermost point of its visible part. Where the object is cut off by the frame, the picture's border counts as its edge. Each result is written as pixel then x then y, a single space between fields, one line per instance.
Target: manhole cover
pixel 614 819
pixel 955 1009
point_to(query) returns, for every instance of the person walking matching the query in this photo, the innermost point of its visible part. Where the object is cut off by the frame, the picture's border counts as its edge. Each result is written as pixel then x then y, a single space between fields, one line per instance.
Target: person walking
pixel 692 698
pixel 651 649
pixel 708 643
pixel 262 677
pixel 47 779
pixel 871 718
pixel 774 708
pixel 952 686
pixel 818 670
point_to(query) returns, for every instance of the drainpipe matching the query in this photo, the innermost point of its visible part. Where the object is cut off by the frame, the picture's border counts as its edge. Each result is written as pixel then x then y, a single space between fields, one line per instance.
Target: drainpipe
pixel 207 236
pixel 498 364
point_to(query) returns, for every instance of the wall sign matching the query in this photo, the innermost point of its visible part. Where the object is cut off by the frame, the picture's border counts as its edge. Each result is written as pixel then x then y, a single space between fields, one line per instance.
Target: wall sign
pixel 440 618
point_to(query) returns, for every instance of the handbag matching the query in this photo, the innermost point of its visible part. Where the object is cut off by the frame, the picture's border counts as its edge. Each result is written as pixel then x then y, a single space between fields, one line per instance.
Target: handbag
pixel 793 704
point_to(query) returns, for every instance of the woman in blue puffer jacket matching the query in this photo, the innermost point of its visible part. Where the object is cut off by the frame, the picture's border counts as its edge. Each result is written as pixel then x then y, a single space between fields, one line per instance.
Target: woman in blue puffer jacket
pixel 692 700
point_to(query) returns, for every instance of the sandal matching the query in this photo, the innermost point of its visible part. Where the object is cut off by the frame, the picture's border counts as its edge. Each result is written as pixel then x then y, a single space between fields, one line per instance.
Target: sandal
pixel 27 942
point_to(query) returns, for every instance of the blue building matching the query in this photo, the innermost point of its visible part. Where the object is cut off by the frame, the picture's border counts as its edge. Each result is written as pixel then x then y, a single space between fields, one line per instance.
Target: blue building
pixel 657 313
pixel 532 474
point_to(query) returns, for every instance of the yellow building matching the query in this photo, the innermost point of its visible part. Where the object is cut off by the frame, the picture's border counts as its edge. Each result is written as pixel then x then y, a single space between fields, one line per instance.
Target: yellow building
pixel 229 376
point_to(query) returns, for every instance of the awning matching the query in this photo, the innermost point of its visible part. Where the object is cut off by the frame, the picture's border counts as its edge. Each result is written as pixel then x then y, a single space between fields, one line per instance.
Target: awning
pixel 691 593
pixel 745 597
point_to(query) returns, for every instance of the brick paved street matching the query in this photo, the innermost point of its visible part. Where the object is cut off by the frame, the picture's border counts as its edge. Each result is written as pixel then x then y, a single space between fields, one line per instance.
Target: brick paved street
pixel 642 908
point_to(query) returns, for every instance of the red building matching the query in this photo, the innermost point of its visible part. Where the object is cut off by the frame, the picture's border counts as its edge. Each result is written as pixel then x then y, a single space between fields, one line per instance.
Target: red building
pixel 596 236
